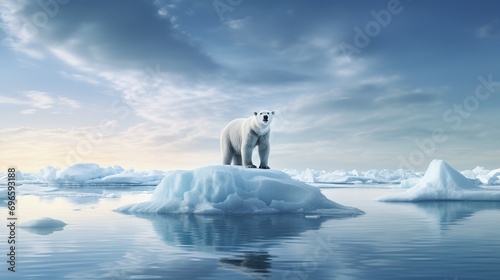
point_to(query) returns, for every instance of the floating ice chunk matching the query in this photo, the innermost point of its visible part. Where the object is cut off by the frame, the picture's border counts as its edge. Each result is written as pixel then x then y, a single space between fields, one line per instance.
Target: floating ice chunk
pixel 111 195
pixel 43 223
pixel 20 178
pixel 490 178
pixel 307 176
pixel 373 176
pixel 442 182
pixel 48 173
pixel 236 190
pixel 81 173
pixel 480 170
pixel 92 174
pixel 43 226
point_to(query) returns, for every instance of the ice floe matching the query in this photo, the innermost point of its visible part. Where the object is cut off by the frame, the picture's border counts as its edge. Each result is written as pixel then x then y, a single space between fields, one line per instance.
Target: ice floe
pixel 373 176
pixel 442 182
pixel 43 226
pixel 88 174
pixel 236 190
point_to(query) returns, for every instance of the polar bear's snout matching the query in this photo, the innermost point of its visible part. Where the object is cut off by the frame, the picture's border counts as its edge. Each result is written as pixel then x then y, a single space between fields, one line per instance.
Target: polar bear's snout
pixel 266 118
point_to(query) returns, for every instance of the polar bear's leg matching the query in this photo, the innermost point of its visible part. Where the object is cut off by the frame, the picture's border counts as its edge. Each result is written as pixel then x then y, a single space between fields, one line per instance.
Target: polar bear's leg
pixel 264 151
pixel 247 145
pixel 226 150
pixel 227 155
pixel 237 159
pixel 264 156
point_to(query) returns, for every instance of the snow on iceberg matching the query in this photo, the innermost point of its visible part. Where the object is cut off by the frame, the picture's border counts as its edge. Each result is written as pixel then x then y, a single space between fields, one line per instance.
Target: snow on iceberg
pixel 236 190
pixel 43 226
pixel 442 182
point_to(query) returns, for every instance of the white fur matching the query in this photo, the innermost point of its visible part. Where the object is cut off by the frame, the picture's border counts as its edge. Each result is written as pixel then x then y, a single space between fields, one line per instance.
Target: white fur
pixel 241 136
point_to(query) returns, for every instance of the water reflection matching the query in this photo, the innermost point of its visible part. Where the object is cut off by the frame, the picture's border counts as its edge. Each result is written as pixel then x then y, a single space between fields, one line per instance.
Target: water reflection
pixel 42 231
pixel 254 263
pixel 451 212
pixel 243 241
pixel 222 233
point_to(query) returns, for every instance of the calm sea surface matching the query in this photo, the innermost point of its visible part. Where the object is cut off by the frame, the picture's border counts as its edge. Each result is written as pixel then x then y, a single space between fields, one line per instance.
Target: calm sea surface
pixel 438 240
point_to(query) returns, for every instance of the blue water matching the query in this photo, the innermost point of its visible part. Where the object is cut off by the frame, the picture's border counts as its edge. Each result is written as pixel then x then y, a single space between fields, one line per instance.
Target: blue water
pixel 439 240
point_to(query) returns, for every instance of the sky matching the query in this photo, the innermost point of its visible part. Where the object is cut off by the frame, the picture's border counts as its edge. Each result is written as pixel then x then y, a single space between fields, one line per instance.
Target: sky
pixel 151 84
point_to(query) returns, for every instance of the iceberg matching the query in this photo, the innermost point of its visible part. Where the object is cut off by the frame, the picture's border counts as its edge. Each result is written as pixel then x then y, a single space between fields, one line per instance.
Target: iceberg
pixel 43 226
pixel 226 189
pixel 442 182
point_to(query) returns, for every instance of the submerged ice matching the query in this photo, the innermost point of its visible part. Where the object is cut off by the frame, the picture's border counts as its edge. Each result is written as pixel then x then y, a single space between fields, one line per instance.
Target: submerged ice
pixel 236 190
pixel 442 182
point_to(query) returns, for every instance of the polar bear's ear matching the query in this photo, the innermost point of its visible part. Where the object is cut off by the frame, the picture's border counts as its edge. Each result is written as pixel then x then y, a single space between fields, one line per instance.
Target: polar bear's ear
pixel 255 113
pixel 272 112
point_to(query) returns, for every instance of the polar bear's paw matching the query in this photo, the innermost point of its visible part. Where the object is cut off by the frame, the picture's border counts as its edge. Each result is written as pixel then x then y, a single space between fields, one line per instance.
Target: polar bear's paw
pixel 264 167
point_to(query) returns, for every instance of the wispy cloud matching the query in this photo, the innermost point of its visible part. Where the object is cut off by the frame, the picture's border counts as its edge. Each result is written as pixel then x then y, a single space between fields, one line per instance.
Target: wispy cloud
pixel 490 30
pixel 45 100
pixel 11 100
pixel 37 100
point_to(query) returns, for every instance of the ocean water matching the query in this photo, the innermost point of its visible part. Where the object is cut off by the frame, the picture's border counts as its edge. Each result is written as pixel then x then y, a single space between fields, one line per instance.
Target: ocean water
pixel 433 240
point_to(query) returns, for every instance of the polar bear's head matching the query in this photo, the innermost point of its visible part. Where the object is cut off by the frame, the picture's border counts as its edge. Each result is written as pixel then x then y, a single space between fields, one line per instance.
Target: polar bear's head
pixel 264 117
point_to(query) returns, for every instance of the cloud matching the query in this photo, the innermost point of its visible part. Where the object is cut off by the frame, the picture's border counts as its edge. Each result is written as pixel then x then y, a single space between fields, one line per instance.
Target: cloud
pixel 40 100
pixel 490 30
pixel 28 111
pixel 11 100
pixel 134 36
pixel 164 75
pixel 45 100
pixel 237 23
pixel 425 96
pixel 81 77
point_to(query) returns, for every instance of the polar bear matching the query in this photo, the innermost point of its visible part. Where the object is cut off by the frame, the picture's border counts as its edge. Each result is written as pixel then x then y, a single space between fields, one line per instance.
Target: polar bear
pixel 240 136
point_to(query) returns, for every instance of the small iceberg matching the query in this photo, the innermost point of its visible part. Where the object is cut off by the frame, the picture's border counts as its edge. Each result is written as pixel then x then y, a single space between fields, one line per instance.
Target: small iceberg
pixel 442 182
pixel 226 189
pixel 43 226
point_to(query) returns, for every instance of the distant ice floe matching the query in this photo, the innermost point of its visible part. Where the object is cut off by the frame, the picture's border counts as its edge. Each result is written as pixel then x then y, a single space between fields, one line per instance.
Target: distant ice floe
pixel 442 182
pixel 43 226
pixel 373 176
pixel 236 190
pixel 88 174
pixel 405 178
pixel 483 176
